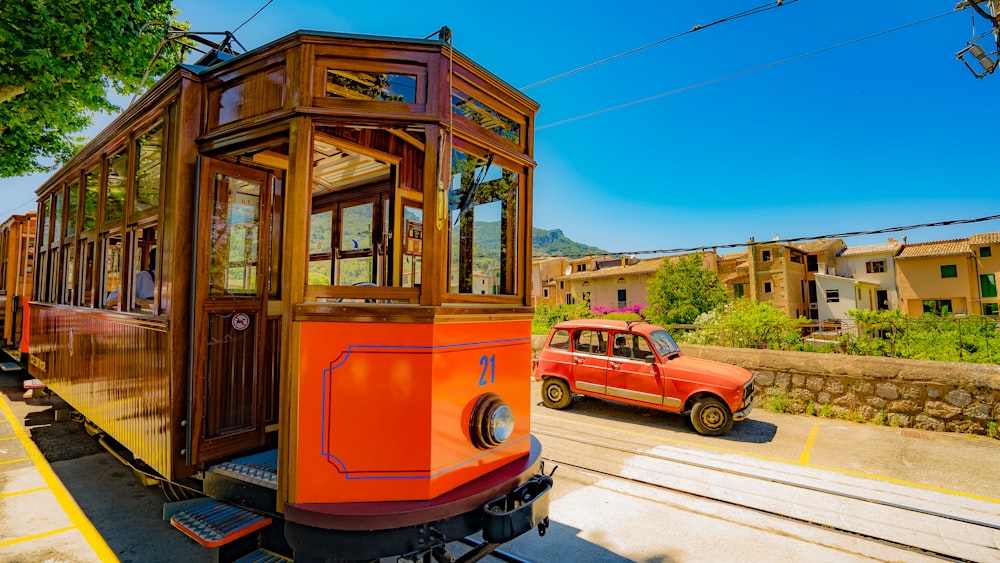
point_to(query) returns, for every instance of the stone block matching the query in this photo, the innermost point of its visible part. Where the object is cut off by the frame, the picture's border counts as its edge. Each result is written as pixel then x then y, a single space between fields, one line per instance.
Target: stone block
pixel 823 398
pixel 862 387
pixel 877 402
pixel 978 411
pixel 782 380
pixel 814 383
pixel 835 385
pixel 912 392
pixel 959 397
pixel 933 392
pixel 965 427
pixel 847 399
pixel 903 406
pixel 887 391
pixel 939 409
pixel 798 380
pixel 925 422
pixel 764 378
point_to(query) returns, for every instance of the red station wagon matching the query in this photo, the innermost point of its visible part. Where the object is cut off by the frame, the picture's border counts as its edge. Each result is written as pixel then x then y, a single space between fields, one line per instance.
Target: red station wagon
pixel 640 364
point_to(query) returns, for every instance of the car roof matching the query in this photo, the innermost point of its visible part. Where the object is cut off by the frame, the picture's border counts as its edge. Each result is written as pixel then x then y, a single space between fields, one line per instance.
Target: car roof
pixel 608 324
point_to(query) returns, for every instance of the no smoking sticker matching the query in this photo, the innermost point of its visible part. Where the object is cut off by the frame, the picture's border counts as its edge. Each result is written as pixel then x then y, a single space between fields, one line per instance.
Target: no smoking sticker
pixel 241 321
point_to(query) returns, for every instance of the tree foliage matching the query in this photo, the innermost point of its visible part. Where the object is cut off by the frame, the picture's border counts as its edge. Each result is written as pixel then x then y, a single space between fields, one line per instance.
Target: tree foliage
pixel 681 290
pixel 743 323
pixel 931 337
pixel 547 316
pixel 59 59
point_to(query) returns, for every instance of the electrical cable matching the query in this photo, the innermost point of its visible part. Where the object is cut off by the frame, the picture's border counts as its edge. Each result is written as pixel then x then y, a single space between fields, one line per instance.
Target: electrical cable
pixel 13 209
pixel 784 240
pixel 255 14
pixel 743 14
pixel 741 73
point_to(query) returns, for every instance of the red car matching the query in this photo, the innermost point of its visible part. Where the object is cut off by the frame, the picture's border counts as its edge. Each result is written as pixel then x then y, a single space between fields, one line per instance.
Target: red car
pixel 640 364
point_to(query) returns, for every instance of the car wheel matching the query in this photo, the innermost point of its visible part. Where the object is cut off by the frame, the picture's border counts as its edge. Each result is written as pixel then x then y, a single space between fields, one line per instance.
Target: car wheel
pixel 711 417
pixel 555 393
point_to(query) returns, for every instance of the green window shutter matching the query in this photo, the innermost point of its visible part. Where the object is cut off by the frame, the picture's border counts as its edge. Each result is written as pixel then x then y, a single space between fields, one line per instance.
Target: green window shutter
pixel 988 283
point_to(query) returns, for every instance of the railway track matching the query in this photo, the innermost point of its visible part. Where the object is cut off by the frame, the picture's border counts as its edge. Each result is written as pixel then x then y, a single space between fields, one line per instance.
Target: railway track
pixel 915 521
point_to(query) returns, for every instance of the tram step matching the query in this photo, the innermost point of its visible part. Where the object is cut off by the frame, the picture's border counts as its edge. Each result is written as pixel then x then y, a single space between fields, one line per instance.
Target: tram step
pixel 215 523
pixel 259 469
pixel 31 383
pixel 11 366
pixel 263 556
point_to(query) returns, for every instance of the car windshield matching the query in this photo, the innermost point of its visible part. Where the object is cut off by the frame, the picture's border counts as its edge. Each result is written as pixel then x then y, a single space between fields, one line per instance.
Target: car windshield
pixel 664 343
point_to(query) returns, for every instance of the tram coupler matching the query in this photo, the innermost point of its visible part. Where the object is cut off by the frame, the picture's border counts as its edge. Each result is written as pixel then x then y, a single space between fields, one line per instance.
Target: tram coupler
pixel 522 509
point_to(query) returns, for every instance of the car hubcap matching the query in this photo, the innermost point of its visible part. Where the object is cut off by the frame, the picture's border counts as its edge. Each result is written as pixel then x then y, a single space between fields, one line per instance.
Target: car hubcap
pixel 712 417
pixel 555 393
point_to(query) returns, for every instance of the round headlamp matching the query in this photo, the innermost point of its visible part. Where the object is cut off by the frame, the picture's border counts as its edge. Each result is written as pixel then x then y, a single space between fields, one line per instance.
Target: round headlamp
pixel 491 423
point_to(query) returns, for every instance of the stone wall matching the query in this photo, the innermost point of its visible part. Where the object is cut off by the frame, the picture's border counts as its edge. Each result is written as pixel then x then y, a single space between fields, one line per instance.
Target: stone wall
pixel 942 396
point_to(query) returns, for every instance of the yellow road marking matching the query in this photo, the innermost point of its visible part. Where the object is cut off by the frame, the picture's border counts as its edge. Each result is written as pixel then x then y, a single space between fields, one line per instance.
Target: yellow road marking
pixel 69 506
pixel 32 537
pixel 9 461
pixel 27 491
pixel 810 442
pixel 777 459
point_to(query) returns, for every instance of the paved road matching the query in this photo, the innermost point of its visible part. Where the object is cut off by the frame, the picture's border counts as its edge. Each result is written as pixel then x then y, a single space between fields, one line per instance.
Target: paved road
pixel 596 517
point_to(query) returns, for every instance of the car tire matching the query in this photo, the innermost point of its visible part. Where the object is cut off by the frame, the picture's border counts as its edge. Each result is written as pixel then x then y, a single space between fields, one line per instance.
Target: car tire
pixel 711 417
pixel 556 393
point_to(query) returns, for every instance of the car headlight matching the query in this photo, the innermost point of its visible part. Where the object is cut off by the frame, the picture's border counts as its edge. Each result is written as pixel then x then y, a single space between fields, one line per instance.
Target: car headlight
pixel 491 423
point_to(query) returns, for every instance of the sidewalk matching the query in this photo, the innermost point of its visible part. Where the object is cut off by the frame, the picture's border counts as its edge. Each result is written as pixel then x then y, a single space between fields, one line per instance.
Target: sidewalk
pixel 41 521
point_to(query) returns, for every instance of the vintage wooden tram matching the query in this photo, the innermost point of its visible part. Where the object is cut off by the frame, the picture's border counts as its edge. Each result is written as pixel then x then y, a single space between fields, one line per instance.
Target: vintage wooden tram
pixel 17 252
pixel 337 336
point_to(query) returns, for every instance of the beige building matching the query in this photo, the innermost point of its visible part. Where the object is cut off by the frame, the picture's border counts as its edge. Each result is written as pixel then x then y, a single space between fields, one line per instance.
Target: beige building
pixel 986 259
pixel 776 274
pixel 611 283
pixel 936 277
pixel 544 272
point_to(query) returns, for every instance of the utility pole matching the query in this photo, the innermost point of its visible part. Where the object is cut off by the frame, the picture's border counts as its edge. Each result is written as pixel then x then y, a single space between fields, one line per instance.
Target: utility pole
pixel 974 56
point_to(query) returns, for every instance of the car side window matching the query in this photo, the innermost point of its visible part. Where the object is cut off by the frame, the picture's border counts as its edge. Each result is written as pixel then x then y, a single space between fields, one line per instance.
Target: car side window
pixel 559 340
pixel 623 346
pixel 591 341
pixel 642 348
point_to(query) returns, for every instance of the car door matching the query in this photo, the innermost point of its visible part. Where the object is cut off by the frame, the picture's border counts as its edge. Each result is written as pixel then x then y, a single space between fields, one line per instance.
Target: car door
pixel 635 373
pixel 590 360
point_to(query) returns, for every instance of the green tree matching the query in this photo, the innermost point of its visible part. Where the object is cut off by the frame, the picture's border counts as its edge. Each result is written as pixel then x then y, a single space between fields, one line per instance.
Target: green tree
pixel 681 290
pixel 59 59
pixel 743 323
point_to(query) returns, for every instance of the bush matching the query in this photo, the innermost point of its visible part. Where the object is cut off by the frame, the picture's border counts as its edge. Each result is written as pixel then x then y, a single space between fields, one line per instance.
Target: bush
pixel 547 317
pixel 747 324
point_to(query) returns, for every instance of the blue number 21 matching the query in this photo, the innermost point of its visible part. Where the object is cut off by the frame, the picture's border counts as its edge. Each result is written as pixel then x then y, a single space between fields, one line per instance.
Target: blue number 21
pixel 490 364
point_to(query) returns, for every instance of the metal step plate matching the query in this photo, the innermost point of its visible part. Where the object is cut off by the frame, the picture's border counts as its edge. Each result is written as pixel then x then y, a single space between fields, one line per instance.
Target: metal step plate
pixel 263 556
pixel 259 469
pixel 217 523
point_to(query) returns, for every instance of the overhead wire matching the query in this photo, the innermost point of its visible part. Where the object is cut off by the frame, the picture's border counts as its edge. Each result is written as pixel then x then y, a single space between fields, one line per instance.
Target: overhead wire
pixel 849 234
pixel 740 73
pixel 743 14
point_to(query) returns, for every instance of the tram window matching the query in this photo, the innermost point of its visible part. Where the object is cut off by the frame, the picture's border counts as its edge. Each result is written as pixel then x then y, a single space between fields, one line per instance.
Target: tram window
pixel 355 264
pixel 320 248
pixel 55 280
pixel 112 270
pixel 69 279
pixel 413 235
pixel 379 86
pixel 44 219
pixel 235 236
pixel 72 206
pixel 485 116
pixel 144 269
pixel 148 149
pixel 114 198
pixel 87 249
pixel 91 197
pixel 57 210
pixel 483 208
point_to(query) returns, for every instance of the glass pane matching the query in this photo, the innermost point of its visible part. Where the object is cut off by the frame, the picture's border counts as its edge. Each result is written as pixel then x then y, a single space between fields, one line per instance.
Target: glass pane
pixel 235 236
pixel 72 205
pixel 147 173
pixel 413 240
pixel 144 269
pixel 44 235
pixel 114 201
pixel 86 273
pixel 482 207
pixel 360 85
pixel 92 193
pixel 356 228
pixel 485 116
pixel 355 271
pixel 112 271
pixel 70 276
pixel 321 248
pixel 57 217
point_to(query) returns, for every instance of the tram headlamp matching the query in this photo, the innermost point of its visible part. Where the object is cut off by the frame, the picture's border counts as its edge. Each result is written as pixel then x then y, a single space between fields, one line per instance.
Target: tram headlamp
pixel 491 423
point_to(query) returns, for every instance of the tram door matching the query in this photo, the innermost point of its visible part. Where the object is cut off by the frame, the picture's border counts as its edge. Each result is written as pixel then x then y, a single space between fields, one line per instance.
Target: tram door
pixel 234 380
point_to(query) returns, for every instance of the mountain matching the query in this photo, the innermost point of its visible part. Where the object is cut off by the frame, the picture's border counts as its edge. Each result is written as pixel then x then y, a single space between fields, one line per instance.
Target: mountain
pixel 555 243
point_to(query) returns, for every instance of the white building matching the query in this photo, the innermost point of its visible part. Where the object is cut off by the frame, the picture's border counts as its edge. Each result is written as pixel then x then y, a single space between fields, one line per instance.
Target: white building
pixel 873 264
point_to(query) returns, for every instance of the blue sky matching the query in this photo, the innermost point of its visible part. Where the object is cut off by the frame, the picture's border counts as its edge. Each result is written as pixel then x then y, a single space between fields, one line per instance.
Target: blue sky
pixel 886 132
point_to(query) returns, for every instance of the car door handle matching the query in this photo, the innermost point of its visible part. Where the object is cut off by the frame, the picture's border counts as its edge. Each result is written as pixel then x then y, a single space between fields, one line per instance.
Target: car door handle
pixel 614 365
pixel 578 360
